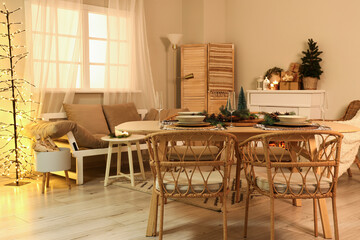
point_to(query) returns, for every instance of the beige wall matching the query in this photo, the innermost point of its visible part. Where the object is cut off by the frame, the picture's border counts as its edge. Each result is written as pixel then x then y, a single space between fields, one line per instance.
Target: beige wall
pixel 273 33
pixel 266 34
pixel 193 21
pixel 163 17
pixel 215 21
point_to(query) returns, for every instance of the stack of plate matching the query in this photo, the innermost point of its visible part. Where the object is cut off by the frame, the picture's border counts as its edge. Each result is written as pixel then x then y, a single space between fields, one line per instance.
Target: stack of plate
pixel 292 120
pixel 191 119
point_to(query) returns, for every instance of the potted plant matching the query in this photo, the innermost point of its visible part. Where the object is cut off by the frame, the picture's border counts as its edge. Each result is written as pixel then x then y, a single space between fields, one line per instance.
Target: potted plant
pixel 310 69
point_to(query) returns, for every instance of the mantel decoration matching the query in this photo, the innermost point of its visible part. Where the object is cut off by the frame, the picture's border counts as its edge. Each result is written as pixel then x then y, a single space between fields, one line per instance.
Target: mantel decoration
pixel 16 100
pixel 279 79
pixel 274 75
pixel 310 69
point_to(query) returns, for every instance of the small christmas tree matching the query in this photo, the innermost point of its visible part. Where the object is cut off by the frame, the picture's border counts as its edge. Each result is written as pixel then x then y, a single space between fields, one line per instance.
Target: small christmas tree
pixel 310 66
pixel 242 105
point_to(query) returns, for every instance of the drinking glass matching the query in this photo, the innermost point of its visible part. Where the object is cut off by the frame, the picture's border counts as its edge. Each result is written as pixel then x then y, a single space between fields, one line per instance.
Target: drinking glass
pixel 231 105
pixel 159 103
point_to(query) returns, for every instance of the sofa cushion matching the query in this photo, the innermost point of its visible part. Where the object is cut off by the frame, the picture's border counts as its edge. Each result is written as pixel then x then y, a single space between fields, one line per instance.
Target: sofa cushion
pixel 89 116
pixel 153 114
pixel 120 113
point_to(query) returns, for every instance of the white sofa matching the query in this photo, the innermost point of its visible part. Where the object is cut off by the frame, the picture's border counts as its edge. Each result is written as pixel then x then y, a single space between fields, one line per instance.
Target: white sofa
pixel 80 153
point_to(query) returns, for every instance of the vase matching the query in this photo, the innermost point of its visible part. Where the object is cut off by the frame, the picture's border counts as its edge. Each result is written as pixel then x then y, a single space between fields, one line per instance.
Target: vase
pixel 310 83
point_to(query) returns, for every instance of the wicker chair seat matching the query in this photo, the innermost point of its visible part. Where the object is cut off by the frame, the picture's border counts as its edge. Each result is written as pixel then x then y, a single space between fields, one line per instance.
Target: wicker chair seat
pixel 191 154
pixel 295 182
pixel 195 183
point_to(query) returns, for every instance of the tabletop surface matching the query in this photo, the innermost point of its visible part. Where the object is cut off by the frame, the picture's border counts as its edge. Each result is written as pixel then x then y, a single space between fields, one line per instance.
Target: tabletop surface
pixel 132 138
pixel 146 127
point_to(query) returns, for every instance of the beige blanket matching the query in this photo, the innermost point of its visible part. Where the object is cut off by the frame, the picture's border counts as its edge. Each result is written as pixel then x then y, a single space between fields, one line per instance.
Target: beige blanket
pixel 350 145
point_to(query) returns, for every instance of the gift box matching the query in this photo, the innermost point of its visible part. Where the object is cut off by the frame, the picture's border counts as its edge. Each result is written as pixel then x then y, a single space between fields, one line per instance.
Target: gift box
pixel 294 67
pixel 289 86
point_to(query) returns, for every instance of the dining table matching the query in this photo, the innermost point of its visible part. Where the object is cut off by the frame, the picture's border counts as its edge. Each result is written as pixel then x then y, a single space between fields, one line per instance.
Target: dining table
pixel 242 133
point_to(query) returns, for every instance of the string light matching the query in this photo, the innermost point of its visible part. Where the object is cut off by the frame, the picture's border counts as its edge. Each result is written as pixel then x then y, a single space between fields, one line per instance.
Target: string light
pixel 14 152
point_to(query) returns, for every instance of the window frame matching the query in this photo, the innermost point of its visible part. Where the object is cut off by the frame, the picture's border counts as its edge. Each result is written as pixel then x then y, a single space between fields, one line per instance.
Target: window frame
pixel 84 60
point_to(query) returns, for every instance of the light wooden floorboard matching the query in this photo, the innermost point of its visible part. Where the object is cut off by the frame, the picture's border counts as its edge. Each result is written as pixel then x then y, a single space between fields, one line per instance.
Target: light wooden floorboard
pixel 92 211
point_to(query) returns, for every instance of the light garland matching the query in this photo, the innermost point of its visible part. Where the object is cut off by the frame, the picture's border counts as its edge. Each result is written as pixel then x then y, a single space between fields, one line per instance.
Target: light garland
pixel 14 152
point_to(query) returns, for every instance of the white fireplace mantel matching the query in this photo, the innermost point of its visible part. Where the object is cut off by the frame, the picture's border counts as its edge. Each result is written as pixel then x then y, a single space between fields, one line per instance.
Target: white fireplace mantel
pixel 309 103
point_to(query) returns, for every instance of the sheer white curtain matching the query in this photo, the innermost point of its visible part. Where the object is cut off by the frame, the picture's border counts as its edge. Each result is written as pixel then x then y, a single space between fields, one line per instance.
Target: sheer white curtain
pixel 127 58
pixel 54 41
pixel 76 47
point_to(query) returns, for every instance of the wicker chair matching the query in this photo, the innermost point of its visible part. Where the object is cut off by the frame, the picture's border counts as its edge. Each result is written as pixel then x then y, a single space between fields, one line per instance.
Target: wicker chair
pixel 350 112
pixel 191 174
pixel 312 173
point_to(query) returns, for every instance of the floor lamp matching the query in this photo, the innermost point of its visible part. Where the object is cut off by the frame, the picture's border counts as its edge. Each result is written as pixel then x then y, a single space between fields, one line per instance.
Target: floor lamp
pixel 174 39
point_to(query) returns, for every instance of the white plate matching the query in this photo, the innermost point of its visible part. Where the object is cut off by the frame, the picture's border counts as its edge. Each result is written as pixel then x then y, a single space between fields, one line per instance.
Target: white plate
pixel 292 124
pixel 292 118
pixel 189 113
pixel 202 124
pixel 192 118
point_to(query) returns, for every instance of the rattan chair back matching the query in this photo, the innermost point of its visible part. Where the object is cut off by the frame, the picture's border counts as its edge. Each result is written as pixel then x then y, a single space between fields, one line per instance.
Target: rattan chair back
pixel 311 173
pixel 351 110
pixel 189 164
pixel 200 168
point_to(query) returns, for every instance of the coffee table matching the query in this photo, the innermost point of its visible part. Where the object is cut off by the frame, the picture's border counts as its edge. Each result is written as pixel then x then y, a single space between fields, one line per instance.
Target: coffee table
pixel 122 142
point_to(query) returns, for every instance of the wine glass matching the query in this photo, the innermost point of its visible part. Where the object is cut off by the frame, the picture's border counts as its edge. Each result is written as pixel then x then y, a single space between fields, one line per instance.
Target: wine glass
pixel 159 103
pixel 231 105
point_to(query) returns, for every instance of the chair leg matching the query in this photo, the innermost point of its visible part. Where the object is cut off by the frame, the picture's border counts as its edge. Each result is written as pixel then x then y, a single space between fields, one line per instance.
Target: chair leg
pixel 161 227
pixel 316 230
pixel 336 229
pixel 153 214
pixel 237 179
pixel 349 172
pixel 224 210
pixel 272 219
pixel 357 161
pixel 247 200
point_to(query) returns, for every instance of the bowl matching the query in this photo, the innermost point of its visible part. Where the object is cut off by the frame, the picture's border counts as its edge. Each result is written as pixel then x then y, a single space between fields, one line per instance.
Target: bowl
pixel 292 118
pixel 190 118
pixel 189 113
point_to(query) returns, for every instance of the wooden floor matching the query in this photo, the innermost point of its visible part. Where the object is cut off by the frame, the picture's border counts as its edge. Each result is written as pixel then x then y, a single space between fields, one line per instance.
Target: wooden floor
pixel 92 211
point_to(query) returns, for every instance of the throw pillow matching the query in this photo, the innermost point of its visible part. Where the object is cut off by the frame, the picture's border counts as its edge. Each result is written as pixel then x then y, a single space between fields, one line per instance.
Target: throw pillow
pixel 89 116
pixel 120 113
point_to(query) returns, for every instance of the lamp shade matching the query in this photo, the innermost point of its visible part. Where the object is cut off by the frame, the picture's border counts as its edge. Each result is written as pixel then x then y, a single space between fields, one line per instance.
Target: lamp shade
pixel 174 38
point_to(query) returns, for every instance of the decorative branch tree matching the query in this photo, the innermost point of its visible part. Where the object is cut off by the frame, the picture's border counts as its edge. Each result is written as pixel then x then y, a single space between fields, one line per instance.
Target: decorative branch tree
pixel 14 151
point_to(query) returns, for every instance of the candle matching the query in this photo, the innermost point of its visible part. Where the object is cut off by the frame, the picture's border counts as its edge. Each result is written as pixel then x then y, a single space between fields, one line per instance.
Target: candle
pixel 276 85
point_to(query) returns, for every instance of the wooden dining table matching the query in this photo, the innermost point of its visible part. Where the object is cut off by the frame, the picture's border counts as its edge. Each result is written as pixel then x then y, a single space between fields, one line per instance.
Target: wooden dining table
pixel 242 133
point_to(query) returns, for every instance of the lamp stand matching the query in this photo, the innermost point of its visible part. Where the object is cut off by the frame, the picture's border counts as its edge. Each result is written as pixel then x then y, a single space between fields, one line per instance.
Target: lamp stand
pixel 174 69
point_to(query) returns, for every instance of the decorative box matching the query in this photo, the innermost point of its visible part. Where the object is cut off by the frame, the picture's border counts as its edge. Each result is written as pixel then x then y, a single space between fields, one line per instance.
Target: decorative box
pixel 289 86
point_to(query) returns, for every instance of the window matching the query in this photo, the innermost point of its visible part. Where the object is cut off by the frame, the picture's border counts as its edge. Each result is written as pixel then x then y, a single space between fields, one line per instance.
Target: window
pixel 79 43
